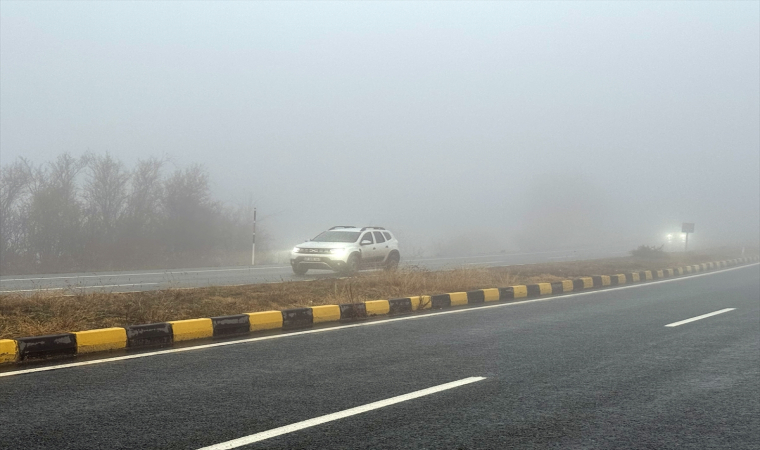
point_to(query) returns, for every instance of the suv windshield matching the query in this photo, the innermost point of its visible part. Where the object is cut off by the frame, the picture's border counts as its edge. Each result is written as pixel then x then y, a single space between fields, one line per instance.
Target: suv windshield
pixel 337 236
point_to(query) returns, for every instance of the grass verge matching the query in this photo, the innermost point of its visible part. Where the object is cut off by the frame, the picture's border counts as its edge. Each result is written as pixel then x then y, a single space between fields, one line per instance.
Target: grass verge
pixel 47 313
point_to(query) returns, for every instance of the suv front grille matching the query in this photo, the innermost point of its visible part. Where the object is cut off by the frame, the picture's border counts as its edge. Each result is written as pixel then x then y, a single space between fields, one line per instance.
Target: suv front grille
pixel 315 250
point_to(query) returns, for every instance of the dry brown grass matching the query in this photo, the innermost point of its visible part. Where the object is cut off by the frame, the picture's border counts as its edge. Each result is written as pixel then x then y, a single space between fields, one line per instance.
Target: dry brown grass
pixel 46 313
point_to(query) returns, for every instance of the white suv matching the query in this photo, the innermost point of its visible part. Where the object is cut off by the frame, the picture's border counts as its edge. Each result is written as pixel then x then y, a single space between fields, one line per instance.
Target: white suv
pixel 346 249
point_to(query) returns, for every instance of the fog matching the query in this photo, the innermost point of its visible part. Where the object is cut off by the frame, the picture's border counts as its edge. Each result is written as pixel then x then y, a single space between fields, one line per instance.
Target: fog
pixel 463 127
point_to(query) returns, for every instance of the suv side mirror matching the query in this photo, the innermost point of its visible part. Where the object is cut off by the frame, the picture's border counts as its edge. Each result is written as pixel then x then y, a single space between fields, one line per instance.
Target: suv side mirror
pixel 365 242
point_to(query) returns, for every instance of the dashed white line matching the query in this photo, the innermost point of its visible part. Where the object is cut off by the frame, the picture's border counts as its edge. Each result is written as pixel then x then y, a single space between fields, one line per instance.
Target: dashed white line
pixel 274 432
pixel 703 316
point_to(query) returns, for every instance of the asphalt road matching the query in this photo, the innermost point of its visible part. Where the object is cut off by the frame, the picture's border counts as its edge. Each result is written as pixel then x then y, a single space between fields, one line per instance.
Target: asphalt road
pixel 225 276
pixel 594 370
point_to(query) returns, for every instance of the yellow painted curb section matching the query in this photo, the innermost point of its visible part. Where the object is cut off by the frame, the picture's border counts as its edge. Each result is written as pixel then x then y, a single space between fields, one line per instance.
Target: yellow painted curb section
pixel 421 302
pixel 679 270
pixel 588 282
pixel 567 285
pixel 620 278
pixel 377 307
pixel 325 313
pixel 520 291
pixel 635 277
pixel 99 340
pixel 266 320
pixel 545 288
pixel 491 295
pixel 648 274
pixel 458 298
pixel 8 350
pixel 704 266
pixel 606 280
pixel 660 274
pixel 669 272
pixel 688 269
pixel 184 330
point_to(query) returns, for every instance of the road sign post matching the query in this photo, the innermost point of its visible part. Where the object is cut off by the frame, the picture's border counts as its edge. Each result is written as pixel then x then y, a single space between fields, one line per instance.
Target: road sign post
pixel 687 228
pixel 253 246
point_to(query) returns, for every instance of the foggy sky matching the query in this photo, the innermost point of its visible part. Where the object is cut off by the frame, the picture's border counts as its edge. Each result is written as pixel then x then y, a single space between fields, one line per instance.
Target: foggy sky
pixel 574 123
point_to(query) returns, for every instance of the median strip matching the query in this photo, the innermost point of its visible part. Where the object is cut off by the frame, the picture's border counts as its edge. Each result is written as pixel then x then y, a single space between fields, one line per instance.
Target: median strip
pixel 8 348
pixel 167 333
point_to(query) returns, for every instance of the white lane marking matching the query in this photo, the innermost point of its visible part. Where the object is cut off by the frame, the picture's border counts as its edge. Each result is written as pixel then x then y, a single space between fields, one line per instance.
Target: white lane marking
pixel 112 275
pixel 703 316
pixel 505 255
pixel 274 432
pixel 79 287
pixel 361 324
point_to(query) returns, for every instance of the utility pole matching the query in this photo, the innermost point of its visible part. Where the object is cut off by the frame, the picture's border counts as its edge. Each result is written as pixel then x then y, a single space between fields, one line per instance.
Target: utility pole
pixel 253 246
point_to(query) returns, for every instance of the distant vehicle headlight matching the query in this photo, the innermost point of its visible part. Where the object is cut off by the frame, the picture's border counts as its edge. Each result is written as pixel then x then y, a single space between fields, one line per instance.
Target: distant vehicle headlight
pixel 337 251
pixel 296 250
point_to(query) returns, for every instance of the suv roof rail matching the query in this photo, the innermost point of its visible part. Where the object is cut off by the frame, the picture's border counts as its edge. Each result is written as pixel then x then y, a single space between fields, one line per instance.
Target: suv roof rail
pixel 372 228
pixel 342 226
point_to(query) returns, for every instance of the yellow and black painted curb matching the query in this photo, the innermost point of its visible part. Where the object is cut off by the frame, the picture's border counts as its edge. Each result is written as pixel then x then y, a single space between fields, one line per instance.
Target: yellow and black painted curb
pixel 167 333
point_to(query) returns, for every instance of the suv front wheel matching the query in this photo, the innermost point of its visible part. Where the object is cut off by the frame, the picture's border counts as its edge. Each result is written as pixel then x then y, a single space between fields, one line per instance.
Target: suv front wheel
pixel 392 263
pixel 352 264
pixel 298 269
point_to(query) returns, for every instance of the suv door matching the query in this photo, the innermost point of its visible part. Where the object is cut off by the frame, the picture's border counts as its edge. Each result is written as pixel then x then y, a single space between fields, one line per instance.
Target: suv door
pixel 382 246
pixel 369 251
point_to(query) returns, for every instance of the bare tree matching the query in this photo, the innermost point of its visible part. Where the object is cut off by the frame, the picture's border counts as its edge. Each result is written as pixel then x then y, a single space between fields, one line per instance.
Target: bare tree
pixel 105 192
pixel 55 214
pixel 190 214
pixel 14 183
pixel 94 213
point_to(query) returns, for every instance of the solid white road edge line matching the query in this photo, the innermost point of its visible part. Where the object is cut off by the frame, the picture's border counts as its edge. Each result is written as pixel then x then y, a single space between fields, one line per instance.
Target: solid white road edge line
pixel 354 325
pixel 96 286
pixel 703 316
pixel 338 415
pixel 170 272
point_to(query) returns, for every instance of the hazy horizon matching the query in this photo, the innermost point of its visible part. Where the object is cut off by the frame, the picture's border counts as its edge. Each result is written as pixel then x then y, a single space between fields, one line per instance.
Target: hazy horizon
pixel 520 125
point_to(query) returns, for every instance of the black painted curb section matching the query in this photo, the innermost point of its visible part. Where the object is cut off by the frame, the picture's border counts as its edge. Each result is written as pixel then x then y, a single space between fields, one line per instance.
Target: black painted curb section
pixel 400 305
pixel 352 311
pixel 149 335
pixel 578 284
pixel 558 288
pixel 534 290
pixel 475 297
pixel 45 346
pixel 440 301
pixel 231 325
pixel 297 318
pixel 506 293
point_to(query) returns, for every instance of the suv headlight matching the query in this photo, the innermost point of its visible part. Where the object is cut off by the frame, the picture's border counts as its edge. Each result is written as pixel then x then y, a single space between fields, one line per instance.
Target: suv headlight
pixel 337 251
pixel 296 250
